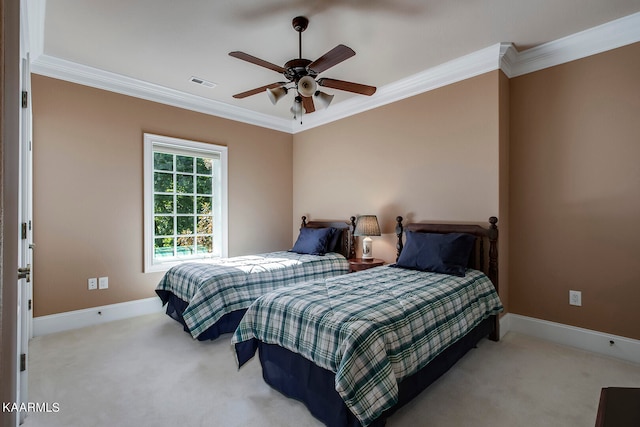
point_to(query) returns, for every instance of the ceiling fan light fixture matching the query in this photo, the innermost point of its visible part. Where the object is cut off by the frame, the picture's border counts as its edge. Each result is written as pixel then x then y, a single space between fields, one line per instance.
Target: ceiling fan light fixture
pixel 301 75
pixel 276 94
pixel 297 109
pixel 307 86
pixel 322 99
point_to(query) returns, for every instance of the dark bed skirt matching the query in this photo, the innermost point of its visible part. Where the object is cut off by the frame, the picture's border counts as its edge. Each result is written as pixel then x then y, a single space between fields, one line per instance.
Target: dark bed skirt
pixel 226 325
pixel 300 379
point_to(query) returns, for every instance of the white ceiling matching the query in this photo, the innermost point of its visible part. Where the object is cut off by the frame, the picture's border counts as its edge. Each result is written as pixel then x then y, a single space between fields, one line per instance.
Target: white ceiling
pixel 162 43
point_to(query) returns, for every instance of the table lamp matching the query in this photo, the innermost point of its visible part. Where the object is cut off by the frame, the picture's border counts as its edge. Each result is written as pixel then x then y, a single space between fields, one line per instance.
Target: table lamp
pixel 367 225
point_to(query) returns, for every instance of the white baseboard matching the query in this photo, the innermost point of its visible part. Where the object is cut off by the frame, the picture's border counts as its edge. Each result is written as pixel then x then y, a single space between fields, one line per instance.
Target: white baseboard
pixel 585 339
pixel 505 324
pixel 44 325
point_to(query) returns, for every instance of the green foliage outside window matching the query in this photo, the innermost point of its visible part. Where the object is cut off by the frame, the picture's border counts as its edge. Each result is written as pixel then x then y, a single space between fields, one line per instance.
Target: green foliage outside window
pixel 183 216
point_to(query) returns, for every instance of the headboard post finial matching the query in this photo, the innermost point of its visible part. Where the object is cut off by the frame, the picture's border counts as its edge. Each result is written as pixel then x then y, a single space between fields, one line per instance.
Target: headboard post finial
pixel 304 221
pixel 399 230
pixel 493 221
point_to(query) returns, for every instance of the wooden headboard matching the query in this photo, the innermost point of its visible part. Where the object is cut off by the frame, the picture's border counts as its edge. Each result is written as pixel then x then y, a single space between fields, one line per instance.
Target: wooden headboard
pixel 347 246
pixel 478 260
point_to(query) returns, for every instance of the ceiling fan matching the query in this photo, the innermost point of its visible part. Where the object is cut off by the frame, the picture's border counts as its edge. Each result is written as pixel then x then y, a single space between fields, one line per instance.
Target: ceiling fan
pixel 301 76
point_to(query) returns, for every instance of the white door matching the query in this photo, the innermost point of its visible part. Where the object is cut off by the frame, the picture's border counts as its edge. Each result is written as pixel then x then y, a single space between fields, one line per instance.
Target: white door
pixel 25 245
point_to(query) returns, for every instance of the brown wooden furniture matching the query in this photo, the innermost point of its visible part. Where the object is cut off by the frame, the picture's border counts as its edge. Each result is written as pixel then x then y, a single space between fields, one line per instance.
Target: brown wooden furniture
pixel 478 259
pixel 348 247
pixel 176 305
pixel 318 394
pixel 359 264
pixel 619 407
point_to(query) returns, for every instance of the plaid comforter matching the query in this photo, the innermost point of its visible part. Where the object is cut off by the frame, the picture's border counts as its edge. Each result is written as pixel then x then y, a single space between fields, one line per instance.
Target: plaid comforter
pixel 371 328
pixel 215 288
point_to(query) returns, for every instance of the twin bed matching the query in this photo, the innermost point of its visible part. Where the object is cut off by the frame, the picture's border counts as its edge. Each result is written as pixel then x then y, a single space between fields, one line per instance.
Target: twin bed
pixel 356 347
pixel 210 297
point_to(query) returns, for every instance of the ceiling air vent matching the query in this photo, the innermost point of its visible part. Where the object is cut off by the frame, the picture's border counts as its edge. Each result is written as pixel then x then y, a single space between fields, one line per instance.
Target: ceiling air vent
pixel 202 82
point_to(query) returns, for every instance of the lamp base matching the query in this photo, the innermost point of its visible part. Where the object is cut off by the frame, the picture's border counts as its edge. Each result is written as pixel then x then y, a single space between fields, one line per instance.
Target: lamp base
pixel 367 248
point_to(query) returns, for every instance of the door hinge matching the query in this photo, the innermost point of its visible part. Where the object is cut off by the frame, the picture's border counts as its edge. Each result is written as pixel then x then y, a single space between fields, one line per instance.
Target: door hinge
pixel 24 230
pixel 29 305
pixel 23 362
pixel 25 99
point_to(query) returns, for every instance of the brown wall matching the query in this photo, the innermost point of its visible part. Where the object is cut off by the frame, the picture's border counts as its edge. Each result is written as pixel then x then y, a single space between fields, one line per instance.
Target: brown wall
pixel 431 157
pixel 552 153
pixel 88 194
pixel 575 192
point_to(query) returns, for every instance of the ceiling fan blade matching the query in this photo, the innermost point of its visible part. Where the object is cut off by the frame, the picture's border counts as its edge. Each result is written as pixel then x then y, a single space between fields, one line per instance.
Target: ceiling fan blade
pixel 257 61
pixel 258 90
pixel 307 103
pixel 331 58
pixel 347 86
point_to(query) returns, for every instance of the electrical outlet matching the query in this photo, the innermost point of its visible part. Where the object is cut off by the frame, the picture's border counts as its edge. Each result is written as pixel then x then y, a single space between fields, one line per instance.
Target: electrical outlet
pixel 575 298
pixel 92 283
pixel 103 283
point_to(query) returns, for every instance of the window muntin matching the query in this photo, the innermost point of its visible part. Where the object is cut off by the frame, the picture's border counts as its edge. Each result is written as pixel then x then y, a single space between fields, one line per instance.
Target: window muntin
pixel 185 201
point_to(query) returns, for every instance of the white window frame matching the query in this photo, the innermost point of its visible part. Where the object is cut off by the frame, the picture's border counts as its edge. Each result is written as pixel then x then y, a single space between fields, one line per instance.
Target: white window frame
pixel 220 201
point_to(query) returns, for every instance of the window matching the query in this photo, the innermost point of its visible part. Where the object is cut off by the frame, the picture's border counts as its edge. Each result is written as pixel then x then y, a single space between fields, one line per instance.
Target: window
pixel 185 201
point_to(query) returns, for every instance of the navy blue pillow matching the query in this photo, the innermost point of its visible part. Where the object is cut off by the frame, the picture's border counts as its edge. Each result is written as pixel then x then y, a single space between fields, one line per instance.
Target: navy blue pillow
pixel 335 244
pixel 313 241
pixel 438 253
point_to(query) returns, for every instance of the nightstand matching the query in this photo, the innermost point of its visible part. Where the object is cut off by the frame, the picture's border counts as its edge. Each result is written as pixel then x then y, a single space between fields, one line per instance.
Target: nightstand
pixel 618 407
pixel 359 264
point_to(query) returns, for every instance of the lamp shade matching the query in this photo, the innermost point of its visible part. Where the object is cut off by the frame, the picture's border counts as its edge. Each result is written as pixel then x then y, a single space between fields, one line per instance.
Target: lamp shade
pixel 297 109
pixel 276 94
pixel 307 86
pixel 322 99
pixel 367 225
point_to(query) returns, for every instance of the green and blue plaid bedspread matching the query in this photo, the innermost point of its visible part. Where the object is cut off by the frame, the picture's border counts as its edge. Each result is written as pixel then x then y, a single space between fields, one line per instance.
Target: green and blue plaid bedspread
pixel 215 288
pixel 372 328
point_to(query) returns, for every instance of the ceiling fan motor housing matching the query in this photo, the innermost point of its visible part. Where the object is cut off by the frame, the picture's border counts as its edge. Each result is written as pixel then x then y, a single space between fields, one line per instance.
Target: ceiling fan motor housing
pixel 297 68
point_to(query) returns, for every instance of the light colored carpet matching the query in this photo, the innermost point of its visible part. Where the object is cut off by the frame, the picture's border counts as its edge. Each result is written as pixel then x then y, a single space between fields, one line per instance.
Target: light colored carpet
pixel 148 372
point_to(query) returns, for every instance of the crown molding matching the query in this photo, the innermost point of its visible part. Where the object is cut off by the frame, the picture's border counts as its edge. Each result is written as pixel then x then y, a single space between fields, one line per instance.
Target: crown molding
pixel 608 36
pixel 508 58
pixel 462 68
pixel 76 73
pixel 503 56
